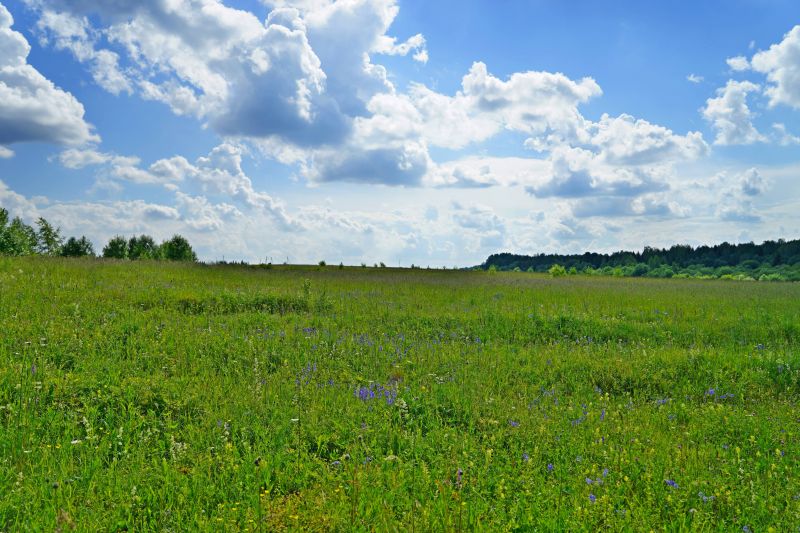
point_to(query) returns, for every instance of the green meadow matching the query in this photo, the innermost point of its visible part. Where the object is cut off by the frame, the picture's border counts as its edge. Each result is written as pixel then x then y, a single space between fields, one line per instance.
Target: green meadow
pixel 156 396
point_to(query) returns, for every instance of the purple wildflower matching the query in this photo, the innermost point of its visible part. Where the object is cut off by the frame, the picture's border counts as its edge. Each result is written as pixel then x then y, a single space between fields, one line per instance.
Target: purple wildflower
pixel 550 467
pixel 710 392
pixel 526 457
pixel 592 498
pixel 671 483
pixel 588 481
pixel 513 423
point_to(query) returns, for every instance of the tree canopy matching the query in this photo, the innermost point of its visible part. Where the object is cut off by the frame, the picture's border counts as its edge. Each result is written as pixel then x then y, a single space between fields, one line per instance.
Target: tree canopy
pixel 766 261
pixel 18 238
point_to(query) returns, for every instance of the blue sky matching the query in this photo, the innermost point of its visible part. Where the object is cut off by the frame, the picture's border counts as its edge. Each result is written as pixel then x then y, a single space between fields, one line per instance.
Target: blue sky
pixel 432 133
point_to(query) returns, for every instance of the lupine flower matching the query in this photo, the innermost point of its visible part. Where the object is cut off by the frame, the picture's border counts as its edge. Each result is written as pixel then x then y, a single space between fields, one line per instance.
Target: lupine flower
pixel 605 472
pixel 592 498
pixel 671 483
pixel 588 481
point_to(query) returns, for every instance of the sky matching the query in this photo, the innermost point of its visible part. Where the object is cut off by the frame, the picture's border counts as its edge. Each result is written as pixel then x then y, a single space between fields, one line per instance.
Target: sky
pixel 404 132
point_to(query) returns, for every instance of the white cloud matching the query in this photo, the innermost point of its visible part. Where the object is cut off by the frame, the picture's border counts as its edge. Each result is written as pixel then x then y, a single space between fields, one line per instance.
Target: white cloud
pixel 738 63
pixel 301 77
pixel 630 141
pixel 77 158
pixel 389 46
pixel 32 108
pixel 752 183
pixel 737 195
pixel 6 153
pixel 535 103
pixel 781 64
pixel 694 78
pixel 75 34
pixel 730 116
pixel 783 137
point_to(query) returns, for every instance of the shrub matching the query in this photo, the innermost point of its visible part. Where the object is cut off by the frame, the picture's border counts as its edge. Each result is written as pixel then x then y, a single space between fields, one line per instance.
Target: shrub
pixel 557 271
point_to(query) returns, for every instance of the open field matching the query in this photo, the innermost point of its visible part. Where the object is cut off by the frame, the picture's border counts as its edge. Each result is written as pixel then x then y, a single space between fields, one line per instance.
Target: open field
pixel 161 396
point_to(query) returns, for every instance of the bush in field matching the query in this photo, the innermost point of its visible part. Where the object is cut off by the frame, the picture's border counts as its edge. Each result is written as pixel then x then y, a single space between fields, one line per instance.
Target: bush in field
pixel 557 271
pixel 78 248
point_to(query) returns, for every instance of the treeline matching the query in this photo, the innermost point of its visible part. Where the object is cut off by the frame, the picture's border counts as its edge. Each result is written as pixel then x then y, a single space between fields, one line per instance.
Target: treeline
pixel 18 238
pixel 769 261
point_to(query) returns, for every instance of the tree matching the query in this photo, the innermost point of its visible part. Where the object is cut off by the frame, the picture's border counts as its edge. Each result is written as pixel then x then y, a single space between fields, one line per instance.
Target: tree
pixel 178 249
pixel 78 248
pixel 142 247
pixel 17 238
pixel 48 238
pixel 117 248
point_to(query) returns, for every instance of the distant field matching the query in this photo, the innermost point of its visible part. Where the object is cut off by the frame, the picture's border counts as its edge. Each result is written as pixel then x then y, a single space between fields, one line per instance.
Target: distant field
pixel 161 396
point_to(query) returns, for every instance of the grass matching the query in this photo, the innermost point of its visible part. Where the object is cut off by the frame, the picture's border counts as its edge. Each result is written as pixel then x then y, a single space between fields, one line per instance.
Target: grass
pixel 153 396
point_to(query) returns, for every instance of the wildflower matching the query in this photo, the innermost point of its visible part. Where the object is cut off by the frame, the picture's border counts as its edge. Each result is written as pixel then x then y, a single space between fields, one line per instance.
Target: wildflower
pixel 671 483
pixel 603 414
pixel 513 423
pixel 588 481
pixel 550 467
pixel 592 498
pixel 605 472
pixel 526 457
pixel 710 392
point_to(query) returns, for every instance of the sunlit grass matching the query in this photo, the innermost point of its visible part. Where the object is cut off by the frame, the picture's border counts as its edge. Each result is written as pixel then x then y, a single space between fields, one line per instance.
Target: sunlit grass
pixel 152 396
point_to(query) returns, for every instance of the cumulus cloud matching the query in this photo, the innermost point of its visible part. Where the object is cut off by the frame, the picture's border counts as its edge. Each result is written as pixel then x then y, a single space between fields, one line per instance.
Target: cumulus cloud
pixel 730 116
pixel 781 64
pixel 32 108
pixel 75 34
pixel 534 103
pixel 626 140
pixel 738 63
pixel 737 195
pixel 298 78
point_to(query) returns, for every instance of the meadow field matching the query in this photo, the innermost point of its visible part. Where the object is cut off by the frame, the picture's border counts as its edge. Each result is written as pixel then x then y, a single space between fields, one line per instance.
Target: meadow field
pixel 156 396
